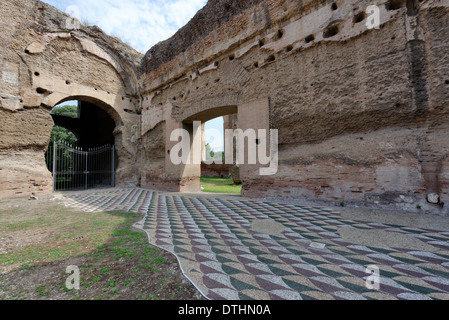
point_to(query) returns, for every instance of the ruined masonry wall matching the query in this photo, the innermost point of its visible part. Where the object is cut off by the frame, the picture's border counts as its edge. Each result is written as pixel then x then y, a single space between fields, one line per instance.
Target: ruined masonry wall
pixel 45 60
pixel 362 114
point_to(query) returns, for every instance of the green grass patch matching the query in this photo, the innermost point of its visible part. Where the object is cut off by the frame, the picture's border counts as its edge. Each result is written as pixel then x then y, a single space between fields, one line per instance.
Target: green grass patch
pixel 220 185
pixel 115 261
pixel 42 291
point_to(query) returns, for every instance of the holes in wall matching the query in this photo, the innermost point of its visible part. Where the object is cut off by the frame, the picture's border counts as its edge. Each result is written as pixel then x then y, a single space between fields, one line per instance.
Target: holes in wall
pixel 446 82
pixel 334 6
pixel 279 34
pixel 395 4
pixel 256 65
pixel 216 64
pixel 289 48
pixel 41 91
pixel 359 17
pixel 67 82
pixel 270 58
pixel 331 31
pixel 310 38
pixel 37 74
pixel 261 43
pixel 232 57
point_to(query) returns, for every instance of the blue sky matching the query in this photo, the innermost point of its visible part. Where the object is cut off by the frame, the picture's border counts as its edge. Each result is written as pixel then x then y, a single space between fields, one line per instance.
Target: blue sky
pixel 214 134
pixel 141 24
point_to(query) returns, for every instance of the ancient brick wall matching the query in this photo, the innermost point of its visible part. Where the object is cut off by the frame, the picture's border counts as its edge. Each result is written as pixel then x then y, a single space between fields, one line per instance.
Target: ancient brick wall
pixel 46 59
pixel 361 113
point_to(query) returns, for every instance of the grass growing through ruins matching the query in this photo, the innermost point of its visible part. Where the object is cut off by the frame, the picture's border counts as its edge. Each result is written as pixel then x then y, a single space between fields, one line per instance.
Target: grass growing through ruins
pixel 220 185
pixel 39 240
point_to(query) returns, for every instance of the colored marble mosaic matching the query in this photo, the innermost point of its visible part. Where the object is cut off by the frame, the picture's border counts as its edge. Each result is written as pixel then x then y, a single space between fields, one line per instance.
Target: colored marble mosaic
pixel 240 249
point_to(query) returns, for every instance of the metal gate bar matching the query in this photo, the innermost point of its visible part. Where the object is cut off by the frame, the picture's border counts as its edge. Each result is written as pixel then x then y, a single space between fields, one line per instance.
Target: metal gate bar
pixel 76 169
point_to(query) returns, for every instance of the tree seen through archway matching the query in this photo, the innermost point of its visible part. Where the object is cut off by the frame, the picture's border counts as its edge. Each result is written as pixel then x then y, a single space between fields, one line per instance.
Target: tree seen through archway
pixel 81 152
pixel 60 134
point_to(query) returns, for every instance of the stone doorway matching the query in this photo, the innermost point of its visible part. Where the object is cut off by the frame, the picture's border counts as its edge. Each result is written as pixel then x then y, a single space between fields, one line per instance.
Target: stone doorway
pixel 81 153
pixel 214 165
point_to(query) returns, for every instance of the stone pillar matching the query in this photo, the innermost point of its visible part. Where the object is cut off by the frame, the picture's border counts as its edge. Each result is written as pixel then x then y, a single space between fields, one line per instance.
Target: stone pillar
pixel 186 176
pixel 231 122
pixel 253 115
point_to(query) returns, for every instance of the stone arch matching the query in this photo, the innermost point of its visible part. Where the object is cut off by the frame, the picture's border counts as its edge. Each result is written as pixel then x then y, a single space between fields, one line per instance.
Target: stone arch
pixel 188 175
pixel 125 73
pixel 98 119
pixel 253 115
pixel 95 127
pixel 212 113
pixel 57 98
pixel 210 108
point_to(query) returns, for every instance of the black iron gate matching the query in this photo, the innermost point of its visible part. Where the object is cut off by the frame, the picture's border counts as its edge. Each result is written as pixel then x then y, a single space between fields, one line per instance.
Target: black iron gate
pixel 76 169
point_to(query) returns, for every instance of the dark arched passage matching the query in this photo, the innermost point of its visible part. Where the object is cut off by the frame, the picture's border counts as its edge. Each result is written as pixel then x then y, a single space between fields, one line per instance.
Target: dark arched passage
pixel 94 127
pixel 91 161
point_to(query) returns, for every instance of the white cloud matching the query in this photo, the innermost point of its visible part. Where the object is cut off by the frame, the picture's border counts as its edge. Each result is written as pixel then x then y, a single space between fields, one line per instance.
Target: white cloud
pixel 214 134
pixel 141 23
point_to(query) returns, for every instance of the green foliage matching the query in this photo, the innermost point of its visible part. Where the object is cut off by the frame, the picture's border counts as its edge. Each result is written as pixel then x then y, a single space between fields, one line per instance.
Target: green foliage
pixel 61 134
pixel 212 155
pixel 209 152
pixel 66 111
pixel 220 185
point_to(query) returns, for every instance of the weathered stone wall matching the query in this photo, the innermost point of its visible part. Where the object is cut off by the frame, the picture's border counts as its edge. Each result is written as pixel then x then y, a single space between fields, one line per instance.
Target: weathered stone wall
pixel 361 114
pixel 46 59
pixel 215 170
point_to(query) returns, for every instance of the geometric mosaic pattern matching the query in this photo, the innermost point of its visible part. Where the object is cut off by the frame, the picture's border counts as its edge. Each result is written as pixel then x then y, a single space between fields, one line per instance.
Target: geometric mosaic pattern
pixel 227 258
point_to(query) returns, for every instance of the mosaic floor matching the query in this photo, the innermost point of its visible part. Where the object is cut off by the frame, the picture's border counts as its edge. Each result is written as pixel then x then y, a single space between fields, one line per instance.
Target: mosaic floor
pixel 238 249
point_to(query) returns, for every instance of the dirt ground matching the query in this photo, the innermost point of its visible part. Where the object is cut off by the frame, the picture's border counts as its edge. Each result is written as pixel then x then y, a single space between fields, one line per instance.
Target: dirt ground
pixel 125 267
